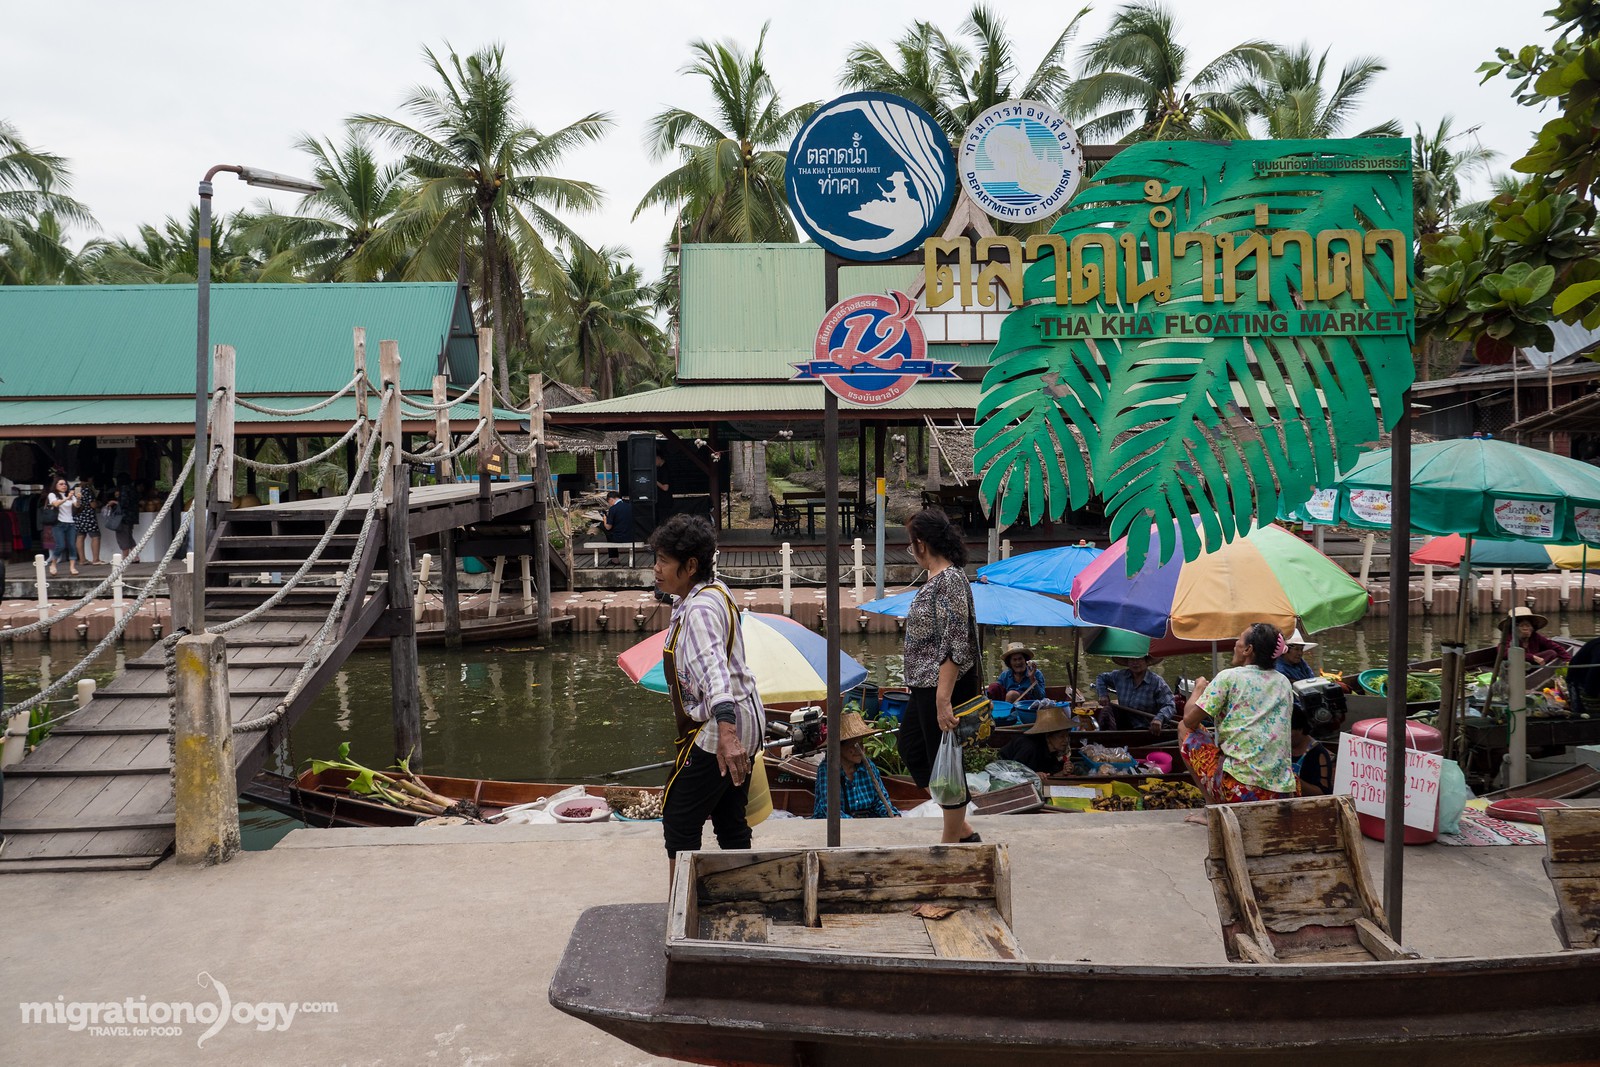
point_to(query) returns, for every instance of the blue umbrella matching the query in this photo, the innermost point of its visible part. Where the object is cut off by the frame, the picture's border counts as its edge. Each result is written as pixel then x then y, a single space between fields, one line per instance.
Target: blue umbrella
pixel 1048 570
pixel 997 605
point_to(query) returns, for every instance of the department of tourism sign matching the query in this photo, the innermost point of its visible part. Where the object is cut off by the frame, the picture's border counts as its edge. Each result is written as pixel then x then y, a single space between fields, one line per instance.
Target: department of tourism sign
pixel 1020 161
pixel 869 176
pixel 870 350
pixel 1208 328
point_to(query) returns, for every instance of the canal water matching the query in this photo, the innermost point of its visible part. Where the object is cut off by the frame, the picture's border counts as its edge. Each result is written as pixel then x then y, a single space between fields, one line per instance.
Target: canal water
pixel 566 712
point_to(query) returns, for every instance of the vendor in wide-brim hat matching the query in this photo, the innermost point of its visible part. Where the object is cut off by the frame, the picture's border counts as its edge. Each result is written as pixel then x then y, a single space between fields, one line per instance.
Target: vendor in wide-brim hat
pixel 861 789
pixel 1292 664
pixel 1539 648
pixel 1134 695
pixel 1022 679
pixel 1044 746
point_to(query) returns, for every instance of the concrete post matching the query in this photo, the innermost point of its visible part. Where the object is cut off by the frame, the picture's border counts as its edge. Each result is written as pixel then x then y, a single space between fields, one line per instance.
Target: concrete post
pixel 85 692
pixel 205 783
pixel 527 585
pixel 43 586
pixel 15 745
pixel 116 588
pixel 1005 548
pixel 861 572
pixel 787 553
pixel 423 572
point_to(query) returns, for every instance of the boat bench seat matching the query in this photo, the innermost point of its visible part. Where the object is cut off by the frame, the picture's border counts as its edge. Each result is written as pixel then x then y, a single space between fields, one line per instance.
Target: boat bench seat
pixel 1572 838
pixel 968 933
pixel 1291 884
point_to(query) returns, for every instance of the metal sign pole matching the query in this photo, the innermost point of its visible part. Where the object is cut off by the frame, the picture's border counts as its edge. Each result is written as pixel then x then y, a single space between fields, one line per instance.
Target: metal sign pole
pixel 1394 829
pixel 830 605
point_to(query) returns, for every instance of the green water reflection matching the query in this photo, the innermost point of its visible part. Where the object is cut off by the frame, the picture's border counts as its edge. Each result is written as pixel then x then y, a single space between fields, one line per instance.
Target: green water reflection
pixel 565 711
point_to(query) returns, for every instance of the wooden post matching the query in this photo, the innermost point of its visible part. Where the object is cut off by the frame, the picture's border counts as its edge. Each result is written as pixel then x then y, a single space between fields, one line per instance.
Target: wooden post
pixel 441 429
pixel 222 374
pixel 485 411
pixel 291 449
pixel 389 421
pixel 205 784
pixel 541 504
pixel 363 391
pixel 403 632
pixel 451 590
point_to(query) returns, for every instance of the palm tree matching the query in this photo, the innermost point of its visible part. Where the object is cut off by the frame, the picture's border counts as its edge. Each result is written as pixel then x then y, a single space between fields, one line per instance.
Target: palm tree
pixel 168 256
pixel 1137 82
pixel 1293 103
pixel 729 184
pixel 34 209
pixel 331 237
pixel 1438 169
pixel 600 325
pixel 956 79
pixel 480 169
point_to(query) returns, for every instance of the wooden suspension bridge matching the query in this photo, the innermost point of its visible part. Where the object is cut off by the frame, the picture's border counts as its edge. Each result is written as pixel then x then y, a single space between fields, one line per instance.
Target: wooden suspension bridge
pixel 97 793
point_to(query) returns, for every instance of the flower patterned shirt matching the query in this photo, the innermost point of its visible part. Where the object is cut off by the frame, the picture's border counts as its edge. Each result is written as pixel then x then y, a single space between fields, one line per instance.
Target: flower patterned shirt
pixel 1251 708
pixel 938 628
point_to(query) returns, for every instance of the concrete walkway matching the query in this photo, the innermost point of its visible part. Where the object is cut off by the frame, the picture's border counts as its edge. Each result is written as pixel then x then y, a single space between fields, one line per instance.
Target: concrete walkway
pixel 437 945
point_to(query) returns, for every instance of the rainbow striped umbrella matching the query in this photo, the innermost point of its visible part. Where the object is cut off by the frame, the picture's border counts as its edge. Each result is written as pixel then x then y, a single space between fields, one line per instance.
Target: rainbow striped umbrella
pixel 1270 575
pixel 789 661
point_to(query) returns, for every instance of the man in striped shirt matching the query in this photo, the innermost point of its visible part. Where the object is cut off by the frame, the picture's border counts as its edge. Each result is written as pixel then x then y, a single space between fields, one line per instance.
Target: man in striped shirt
pixel 713 693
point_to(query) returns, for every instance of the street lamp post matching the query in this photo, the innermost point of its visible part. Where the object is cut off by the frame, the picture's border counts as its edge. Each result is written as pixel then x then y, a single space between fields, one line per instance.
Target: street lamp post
pixel 202 364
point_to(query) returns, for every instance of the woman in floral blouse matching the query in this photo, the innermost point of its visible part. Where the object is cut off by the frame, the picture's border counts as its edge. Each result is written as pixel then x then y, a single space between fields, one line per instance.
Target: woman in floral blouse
pixel 941 656
pixel 1249 757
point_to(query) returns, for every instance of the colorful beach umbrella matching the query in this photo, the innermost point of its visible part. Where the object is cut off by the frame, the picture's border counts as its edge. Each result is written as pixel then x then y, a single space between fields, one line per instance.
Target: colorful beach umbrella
pixel 1270 575
pixel 996 605
pixel 1046 570
pixel 789 661
pixel 1449 550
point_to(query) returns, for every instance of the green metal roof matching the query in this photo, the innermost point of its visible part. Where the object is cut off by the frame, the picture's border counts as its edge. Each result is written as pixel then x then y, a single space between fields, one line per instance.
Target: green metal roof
pixel 139 340
pixel 777 399
pixel 111 415
pixel 750 311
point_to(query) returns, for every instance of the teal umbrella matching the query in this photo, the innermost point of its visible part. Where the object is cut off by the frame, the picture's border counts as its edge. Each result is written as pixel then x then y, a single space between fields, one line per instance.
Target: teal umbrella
pixel 1476 487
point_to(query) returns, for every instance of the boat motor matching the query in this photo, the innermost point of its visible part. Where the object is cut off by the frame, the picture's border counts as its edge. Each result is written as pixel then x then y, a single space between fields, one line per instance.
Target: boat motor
pixel 1323 701
pixel 808 729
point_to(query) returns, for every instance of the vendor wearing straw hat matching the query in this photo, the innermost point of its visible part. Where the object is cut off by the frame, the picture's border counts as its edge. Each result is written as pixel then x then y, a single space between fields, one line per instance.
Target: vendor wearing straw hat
pixel 1538 648
pixel 1292 664
pixel 1137 689
pixel 861 790
pixel 1043 748
pixel 1022 679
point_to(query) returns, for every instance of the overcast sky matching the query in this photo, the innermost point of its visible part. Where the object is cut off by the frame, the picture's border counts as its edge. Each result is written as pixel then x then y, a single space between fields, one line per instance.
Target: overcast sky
pixel 143 97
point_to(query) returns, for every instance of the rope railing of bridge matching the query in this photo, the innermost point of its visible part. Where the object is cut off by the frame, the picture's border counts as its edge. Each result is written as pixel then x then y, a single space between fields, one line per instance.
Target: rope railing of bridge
pixel 446 405
pixel 301 464
pixel 316 552
pixel 313 657
pixel 115 633
pixel 288 413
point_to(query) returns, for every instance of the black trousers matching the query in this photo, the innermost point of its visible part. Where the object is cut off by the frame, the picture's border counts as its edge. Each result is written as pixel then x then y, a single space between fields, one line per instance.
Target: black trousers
pixel 920 735
pixel 700 791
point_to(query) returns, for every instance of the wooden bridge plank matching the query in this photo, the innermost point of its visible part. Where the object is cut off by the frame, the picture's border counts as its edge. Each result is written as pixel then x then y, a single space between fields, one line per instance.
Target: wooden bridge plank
pixel 152 795
pixel 47 866
pixel 85 825
pixel 30 802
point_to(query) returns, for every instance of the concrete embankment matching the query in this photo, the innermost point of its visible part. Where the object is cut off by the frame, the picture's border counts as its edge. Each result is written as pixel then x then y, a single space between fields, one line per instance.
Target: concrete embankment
pixel 437 945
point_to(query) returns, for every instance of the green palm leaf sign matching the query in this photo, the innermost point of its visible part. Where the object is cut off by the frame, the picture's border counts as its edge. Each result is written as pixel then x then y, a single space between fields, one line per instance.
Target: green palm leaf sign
pixel 1228 422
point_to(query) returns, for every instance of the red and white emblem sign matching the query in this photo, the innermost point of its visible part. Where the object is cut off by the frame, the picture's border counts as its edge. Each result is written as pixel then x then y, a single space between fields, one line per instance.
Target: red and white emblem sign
pixel 870 349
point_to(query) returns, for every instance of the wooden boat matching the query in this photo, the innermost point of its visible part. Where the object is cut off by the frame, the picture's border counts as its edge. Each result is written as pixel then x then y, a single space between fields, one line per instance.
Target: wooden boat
pixel 712 978
pixel 1476 661
pixel 906 794
pixel 515 627
pixel 1572 839
pixel 324 800
pixel 1579 780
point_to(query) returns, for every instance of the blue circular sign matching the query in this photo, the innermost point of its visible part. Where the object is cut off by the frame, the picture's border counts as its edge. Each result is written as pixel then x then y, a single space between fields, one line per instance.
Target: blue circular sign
pixel 870 176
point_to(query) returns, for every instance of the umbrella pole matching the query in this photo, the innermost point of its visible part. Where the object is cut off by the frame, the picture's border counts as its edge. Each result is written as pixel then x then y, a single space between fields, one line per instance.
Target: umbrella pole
pixel 1453 656
pixel 1399 604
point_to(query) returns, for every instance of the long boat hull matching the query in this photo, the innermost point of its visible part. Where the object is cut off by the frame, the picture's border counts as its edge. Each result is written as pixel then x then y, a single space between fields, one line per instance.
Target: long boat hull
pixel 788 1006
